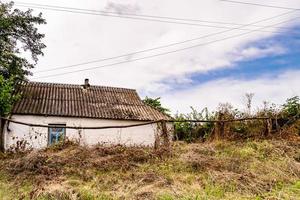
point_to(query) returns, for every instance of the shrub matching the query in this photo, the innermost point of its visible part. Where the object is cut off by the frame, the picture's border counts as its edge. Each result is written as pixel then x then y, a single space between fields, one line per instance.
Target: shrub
pixel 283 117
pixel 292 107
pixel 192 131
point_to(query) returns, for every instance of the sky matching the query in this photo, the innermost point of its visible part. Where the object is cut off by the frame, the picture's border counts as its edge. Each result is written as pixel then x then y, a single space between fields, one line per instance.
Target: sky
pixel 217 69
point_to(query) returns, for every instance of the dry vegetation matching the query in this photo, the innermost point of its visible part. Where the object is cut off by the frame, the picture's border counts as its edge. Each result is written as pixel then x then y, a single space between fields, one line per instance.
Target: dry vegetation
pixel 263 169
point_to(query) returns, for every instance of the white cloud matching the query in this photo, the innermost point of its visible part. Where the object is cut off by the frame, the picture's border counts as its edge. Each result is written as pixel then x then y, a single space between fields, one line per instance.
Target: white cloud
pixel 74 38
pixel 258 52
pixel 121 7
pixel 273 89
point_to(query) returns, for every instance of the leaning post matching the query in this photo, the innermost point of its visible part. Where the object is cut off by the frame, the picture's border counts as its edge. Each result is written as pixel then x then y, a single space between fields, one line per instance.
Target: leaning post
pixel 269 127
pixel 165 135
pixel 220 127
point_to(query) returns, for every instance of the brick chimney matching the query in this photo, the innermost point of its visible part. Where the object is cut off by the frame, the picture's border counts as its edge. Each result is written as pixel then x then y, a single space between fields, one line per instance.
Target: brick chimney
pixel 86 83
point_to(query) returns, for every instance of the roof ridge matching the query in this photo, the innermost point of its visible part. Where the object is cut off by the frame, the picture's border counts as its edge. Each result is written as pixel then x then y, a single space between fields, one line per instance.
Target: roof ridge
pixel 77 85
pixel 76 100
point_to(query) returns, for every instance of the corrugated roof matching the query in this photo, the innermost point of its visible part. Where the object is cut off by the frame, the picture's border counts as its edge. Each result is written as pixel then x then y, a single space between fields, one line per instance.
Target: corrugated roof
pixel 69 100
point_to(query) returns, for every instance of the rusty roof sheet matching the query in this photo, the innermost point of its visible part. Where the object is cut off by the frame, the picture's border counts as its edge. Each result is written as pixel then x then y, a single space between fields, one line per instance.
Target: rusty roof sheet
pixel 69 100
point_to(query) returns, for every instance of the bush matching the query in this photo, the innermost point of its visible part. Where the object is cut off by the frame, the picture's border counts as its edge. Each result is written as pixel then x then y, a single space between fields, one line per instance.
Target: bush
pixel 192 131
pixel 292 107
pixel 283 117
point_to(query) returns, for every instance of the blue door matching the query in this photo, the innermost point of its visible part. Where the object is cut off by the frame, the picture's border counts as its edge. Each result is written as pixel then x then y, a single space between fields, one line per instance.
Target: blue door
pixel 56 135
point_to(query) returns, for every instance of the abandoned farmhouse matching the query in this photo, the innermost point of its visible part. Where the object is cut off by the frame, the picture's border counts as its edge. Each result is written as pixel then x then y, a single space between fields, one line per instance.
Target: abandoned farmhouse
pixel 64 105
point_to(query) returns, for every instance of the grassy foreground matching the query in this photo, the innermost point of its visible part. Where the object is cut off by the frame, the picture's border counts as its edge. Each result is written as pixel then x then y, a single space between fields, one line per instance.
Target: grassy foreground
pixel 266 169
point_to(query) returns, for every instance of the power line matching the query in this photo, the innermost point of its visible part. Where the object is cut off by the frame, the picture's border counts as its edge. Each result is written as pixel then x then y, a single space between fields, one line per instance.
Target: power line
pixel 139 15
pixel 128 16
pixel 263 5
pixel 160 47
pixel 156 55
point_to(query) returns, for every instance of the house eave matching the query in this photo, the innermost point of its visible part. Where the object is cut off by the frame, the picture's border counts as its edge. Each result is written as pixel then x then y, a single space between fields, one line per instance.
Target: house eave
pixel 85 117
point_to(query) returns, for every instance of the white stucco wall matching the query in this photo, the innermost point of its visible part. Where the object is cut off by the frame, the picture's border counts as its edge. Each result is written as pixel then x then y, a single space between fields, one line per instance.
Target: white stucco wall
pixel 37 137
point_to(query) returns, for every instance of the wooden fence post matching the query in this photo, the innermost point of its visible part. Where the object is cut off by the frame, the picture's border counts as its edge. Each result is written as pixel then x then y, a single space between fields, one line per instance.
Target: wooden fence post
pixel 220 127
pixel 165 134
pixel 268 127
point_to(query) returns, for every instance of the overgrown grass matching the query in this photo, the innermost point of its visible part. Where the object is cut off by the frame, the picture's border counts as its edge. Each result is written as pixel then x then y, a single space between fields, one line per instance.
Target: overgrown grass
pixel 266 169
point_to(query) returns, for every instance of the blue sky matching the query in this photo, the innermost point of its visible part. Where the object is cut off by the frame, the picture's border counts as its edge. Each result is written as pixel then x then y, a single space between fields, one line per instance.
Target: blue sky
pixel 269 65
pixel 268 68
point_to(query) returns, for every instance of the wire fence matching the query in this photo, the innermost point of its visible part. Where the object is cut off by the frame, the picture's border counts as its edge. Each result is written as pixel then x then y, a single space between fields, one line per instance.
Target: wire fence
pixel 80 127
pixel 220 128
pixel 133 125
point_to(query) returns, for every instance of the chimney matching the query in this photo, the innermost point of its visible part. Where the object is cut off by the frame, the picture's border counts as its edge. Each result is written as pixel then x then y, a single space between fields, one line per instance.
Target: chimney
pixel 86 83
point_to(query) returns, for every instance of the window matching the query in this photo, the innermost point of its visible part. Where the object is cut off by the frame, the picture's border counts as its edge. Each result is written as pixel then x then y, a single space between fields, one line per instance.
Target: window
pixel 56 134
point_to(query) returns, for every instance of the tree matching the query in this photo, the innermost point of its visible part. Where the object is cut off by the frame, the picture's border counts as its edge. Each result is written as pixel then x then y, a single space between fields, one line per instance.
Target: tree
pixel 292 107
pixel 7 96
pixel 19 35
pixel 249 98
pixel 155 103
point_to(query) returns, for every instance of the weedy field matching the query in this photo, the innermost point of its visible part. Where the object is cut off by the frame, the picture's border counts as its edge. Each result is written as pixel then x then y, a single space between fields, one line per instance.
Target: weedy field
pixel 262 169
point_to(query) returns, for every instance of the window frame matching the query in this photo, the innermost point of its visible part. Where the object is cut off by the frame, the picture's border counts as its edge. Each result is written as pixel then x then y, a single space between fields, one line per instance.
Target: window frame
pixel 57 126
